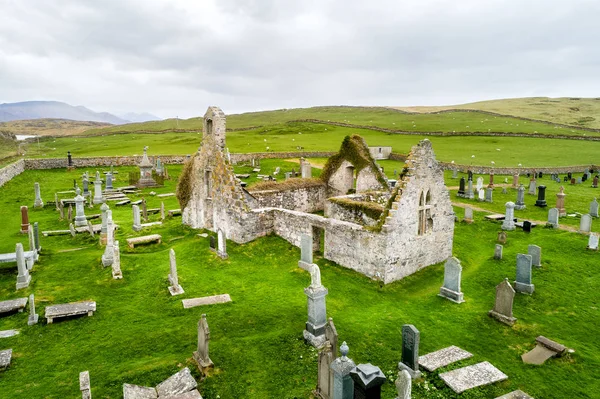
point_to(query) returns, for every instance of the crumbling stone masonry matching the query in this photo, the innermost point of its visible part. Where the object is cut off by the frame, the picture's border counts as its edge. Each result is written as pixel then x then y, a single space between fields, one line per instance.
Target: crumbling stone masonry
pixel 403 231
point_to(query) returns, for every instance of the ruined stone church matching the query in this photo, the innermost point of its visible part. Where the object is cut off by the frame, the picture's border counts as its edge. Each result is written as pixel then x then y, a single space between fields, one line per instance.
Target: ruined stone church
pixel 383 232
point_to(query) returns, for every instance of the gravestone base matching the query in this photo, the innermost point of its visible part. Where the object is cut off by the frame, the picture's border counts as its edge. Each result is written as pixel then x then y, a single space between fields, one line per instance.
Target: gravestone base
pixel 23 282
pixel 502 318
pixel 33 319
pixel 317 341
pixel 468 221
pixel 541 203
pixel 520 207
pixel 222 255
pixel 524 288
pixel 80 221
pixel 137 227
pixel 457 297
pixel 107 260
pixel 414 374
pixel 202 365
pixel 175 290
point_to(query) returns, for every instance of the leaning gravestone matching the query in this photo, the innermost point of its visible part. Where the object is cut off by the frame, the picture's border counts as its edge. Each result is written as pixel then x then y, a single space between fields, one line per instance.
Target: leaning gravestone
pixel 410 350
pixel 452 275
pixel 523 281
pixel 403 385
pixel 594 208
pixel 585 224
pixel 536 255
pixel 502 311
pixel 174 288
pixel 201 355
pixel 498 252
pixel 593 242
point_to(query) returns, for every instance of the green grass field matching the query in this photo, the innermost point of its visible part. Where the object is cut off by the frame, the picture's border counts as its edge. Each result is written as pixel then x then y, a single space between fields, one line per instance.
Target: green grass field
pixel 571 111
pixel 142 335
pixel 504 151
pixel 379 117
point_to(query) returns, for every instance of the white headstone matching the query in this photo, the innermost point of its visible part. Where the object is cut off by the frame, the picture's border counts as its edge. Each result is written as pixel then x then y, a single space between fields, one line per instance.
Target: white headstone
pixel 479 185
pixel 593 241
pixel 585 224
pixel 509 222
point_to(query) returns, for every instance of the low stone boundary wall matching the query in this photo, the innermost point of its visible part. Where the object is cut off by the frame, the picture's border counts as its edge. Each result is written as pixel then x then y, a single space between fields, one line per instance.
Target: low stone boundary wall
pixel 8 172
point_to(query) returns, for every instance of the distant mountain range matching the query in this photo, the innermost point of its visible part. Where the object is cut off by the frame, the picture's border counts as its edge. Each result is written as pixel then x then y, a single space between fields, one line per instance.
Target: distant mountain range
pixel 59 110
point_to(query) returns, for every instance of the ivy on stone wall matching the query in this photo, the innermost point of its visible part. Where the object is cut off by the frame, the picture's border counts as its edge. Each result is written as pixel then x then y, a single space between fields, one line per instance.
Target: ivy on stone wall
pixel 370 209
pixel 286 185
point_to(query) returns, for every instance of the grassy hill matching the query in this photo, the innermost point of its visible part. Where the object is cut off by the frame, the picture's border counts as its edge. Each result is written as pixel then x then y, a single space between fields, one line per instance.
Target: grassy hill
pixel 50 127
pixel 575 111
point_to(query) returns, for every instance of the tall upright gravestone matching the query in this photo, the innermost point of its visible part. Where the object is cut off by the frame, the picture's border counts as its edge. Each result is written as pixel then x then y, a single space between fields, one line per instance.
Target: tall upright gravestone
pixel 585 224
pixel 523 281
pixel 314 333
pixel 174 288
pixel 452 276
pixel 38 203
pixel 509 217
pixel 98 199
pixel 306 252
pixel 23 277
pixel 536 255
pixel 411 338
pixel 201 355
pixel 520 204
pixel 343 385
pixel 24 220
pixel 503 306
pixel 594 208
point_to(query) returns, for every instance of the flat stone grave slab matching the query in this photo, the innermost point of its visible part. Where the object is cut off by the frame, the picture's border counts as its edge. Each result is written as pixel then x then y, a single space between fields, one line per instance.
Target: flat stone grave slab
pixel 207 300
pixel 175 212
pixel 134 188
pixel 131 391
pixel 177 384
pixel 544 350
pixel 152 210
pixel 12 256
pixel 166 195
pixel 195 394
pixel 138 202
pixel 132 242
pixel 518 394
pixel 12 305
pixel 115 198
pixel 5 357
pixel 434 360
pixel 8 333
pixel 83 229
pixel 495 216
pixel 469 377
pixel 130 191
pixel 124 202
pixel 69 309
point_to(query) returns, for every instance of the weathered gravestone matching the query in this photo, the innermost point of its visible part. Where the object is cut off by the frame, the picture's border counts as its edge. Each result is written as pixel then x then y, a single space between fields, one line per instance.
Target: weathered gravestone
pixel 503 305
pixel 24 219
pixel 536 255
pixel 523 281
pixel 594 208
pixel 221 244
pixel 5 358
pixel 109 181
pixel 515 182
pixel 84 385
pixel 520 204
pixel 201 355
pixel 343 385
pixel 468 215
pixel 595 182
pixel 324 373
pixel 502 237
pixel 331 336
pixel 509 217
pixel 585 224
pixel 473 376
pixel 180 385
pixel 33 317
pixel 470 194
pixel 137 222
pixel 98 190
pixel 306 252
pixel 80 219
pixel 368 380
pixel 403 385
pixel 443 357
pixel 109 251
pixel 553 217
pixel 532 187
pixel 479 183
pixel 314 332
pixel 452 276
pixel 117 274
pixel 103 208
pixel 174 288
pixel 38 203
pixel 593 242
pixel 498 252
pixel 23 277
pixel 410 350
pixel 481 195
pixel 488 194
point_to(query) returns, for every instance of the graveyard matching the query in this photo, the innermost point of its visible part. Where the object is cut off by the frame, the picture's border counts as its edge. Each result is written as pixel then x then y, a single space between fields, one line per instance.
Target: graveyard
pixel 139 323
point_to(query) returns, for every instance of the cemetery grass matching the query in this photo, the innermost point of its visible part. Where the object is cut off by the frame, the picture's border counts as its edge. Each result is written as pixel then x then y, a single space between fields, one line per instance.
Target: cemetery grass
pixel 142 335
pixel 294 137
pixel 381 117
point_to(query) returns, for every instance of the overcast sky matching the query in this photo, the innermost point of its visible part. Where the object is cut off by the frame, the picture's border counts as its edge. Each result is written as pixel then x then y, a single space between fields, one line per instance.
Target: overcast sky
pixel 174 58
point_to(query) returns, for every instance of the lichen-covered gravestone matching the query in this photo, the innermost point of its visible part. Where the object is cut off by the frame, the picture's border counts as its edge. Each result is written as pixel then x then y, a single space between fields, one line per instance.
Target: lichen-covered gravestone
pixel 201 355
pixel 411 338
pixel 452 276
pixel 503 305
pixel 324 372
pixel 523 281
pixel 498 252
pixel 23 277
pixel 404 385
pixel 520 203
pixel 174 288
pixel 33 317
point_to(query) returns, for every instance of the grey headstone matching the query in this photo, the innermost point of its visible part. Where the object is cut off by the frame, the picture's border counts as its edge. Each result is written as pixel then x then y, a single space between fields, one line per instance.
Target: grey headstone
pixel 33 317
pixel 585 224
pixel 131 391
pixel 404 385
pixel 23 277
pixel 452 277
pixel 306 248
pixel 80 219
pixel 38 203
pixel 84 385
pixel 324 373
pixel 520 203
pixel 331 335
pixel 177 384
pixel 504 190
pixel 479 183
pixel 201 356
pixel 594 208
pixel 314 333
pixel 553 217
pixel 503 304
pixel 523 281
pixel 509 216
pixel 488 194
pixel 481 194
pixel 410 350
pixel 221 244
pixel 468 214
pixel 518 394
pixel 593 241
pixel 532 187
pixel 174 288
pixel 498 252
pixel 137 222
pixel 536 255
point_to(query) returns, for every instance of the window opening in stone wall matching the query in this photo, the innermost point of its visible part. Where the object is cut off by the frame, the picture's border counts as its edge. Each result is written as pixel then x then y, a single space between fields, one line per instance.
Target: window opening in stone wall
pixel 425 218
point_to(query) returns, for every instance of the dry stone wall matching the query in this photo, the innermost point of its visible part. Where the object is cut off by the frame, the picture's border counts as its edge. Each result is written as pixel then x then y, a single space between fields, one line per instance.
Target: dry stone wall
pixel 305 199
pixel 7 173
